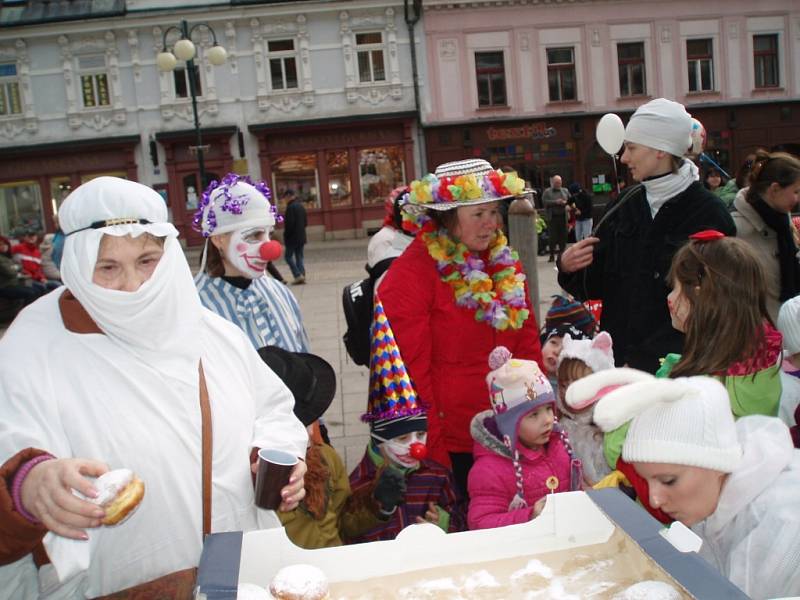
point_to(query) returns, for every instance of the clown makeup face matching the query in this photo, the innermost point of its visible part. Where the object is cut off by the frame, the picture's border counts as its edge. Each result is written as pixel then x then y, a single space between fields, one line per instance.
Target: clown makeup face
pixel 399 449
pixel 244 251
pixel 679 307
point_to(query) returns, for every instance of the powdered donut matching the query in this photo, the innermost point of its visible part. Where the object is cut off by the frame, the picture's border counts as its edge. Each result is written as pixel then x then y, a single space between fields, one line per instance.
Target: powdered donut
pixel 300 582
pixel 119 492
pixel 649 590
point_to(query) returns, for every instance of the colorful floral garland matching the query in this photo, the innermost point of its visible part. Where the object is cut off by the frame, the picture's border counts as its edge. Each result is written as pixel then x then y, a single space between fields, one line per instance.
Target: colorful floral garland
pixel 465 188
pixel 495 291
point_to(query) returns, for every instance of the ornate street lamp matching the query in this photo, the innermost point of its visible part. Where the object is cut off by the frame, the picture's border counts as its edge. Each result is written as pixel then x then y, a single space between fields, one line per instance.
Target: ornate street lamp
pixel 184 49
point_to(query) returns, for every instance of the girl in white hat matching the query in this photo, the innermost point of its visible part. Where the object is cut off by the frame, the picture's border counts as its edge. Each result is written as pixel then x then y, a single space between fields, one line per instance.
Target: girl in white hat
pixel 736 484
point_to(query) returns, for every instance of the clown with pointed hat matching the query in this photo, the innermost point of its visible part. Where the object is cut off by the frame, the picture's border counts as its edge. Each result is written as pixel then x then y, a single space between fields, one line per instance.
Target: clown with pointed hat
pixel 394 476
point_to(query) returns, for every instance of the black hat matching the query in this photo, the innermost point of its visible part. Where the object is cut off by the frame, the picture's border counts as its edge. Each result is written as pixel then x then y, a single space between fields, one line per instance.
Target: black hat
pixel 310 378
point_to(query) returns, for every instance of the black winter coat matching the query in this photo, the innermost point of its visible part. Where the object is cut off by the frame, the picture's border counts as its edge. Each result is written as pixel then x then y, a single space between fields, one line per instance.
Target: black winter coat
pixel 294 224
pixel 630 268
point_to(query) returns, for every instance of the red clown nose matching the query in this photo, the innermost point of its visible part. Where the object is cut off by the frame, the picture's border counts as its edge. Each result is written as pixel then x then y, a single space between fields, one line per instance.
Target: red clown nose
pixel 270 250
pixel 418 451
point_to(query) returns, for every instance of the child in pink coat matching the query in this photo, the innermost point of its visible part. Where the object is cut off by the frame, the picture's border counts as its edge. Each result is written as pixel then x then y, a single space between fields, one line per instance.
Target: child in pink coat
pixel 521 453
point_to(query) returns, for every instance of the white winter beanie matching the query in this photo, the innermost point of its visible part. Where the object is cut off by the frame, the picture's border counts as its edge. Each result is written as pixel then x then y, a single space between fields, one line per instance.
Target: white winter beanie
pixel 661 124
pixel 789 325
pixel 684 421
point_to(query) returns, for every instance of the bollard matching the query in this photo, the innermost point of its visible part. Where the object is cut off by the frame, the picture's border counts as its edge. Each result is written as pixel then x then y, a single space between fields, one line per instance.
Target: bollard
pixel 522 234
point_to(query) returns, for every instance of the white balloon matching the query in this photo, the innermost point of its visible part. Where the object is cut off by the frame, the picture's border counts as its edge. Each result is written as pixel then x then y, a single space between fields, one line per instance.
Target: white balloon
pixel 610 133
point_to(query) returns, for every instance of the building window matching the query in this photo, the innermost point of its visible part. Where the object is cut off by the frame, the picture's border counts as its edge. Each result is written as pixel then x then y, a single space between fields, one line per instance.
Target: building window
pixel 490 73
pixel 369 47
pixel 94 81
pixel 765 58
pixel 700 61
pixel 339 178
pixel 182 89
pixel 632 80
pixel 298 173
pixel 561 74
pixel 381 170
pixel 282 64
pixel 20 207
pixel 10 103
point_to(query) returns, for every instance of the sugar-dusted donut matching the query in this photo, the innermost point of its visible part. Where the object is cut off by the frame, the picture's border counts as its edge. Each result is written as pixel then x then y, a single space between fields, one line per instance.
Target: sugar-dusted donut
pixel 300 582
pixel 119 492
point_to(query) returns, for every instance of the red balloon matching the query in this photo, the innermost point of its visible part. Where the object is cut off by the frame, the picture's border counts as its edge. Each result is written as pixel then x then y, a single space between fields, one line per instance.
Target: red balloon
pixel 270 250
pixel 418 451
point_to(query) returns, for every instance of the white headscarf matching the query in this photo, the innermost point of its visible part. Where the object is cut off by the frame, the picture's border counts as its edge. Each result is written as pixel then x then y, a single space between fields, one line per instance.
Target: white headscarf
pixel 160 322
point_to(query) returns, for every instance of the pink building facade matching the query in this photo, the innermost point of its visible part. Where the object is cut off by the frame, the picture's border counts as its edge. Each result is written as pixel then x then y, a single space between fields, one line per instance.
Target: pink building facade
pixel 524 83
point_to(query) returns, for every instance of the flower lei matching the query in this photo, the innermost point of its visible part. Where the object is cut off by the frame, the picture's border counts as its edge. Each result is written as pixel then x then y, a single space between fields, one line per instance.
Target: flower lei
pixel 230 203
pixel 495 291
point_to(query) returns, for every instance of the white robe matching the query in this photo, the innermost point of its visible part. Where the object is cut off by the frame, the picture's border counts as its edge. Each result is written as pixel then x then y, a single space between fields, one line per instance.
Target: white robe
pixel 81 395
pixel 753 537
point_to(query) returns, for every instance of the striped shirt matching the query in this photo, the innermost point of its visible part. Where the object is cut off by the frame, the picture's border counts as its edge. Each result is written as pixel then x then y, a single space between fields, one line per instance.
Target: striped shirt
pixel 266 311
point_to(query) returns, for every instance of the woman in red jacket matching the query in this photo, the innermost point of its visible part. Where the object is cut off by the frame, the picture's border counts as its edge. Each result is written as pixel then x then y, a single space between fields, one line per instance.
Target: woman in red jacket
pixel 457 292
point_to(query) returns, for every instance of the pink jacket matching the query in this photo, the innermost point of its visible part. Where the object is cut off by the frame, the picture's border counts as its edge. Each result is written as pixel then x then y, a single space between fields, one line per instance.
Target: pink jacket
pixel 492 484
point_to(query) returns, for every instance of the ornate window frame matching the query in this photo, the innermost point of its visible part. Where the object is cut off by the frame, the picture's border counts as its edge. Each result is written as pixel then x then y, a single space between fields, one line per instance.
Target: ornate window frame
pixel 352 23
pixel 13 125
pixel 290 99
pixel 98 117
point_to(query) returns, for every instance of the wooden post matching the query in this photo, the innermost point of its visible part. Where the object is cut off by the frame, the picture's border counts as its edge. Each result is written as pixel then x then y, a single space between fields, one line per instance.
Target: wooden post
pixel 523 238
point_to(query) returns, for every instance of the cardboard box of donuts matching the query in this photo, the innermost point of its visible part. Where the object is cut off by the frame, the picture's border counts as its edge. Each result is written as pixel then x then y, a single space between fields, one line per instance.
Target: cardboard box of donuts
pixel 598 544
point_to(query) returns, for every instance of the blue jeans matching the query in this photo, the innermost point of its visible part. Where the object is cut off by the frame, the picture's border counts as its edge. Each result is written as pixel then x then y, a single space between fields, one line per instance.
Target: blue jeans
pixel 583 229
pixel 294 258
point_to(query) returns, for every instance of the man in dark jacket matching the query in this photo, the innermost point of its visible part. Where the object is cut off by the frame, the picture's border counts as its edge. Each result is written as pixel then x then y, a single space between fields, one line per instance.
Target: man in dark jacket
pixel 627 263
pixel 555 199
pixel 582 202
pixel 294 235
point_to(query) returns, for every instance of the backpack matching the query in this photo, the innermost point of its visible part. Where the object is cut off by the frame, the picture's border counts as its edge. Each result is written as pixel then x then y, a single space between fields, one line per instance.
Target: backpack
pixel 357 302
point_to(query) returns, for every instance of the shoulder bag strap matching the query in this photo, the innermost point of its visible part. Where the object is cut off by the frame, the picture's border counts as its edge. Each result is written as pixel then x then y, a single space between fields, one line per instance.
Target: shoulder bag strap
pixel 205 414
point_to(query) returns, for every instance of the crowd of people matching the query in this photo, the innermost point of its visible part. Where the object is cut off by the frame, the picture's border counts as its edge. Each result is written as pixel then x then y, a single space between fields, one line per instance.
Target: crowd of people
pixel 685 393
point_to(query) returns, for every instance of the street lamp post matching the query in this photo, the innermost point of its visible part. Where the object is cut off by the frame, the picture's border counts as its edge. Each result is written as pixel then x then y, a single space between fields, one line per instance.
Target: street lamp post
pixel 184 49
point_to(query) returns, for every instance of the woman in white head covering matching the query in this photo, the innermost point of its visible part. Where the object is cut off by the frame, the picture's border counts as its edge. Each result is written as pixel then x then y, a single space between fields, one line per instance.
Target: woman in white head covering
pixel 236 217
pixel 737 485
pixel 107 373
pixel 625 261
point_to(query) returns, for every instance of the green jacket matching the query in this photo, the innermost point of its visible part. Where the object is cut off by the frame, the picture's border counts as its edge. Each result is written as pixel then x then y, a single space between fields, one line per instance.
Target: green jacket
pixel 727 193
pixel 338 521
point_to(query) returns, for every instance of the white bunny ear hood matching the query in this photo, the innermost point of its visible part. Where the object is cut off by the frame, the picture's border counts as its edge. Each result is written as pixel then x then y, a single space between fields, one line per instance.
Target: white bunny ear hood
pixel 597 353
pixel 585 392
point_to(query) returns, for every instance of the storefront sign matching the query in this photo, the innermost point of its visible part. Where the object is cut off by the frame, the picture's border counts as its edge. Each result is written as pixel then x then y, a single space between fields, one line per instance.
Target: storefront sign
pixel 534 131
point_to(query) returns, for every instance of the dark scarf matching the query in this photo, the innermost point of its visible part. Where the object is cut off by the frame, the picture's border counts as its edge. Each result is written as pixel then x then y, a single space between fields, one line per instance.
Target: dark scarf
pixel 787 250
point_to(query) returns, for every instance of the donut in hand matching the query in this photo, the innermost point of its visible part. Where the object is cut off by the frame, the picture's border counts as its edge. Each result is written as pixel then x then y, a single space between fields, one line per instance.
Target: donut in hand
pixel 119 492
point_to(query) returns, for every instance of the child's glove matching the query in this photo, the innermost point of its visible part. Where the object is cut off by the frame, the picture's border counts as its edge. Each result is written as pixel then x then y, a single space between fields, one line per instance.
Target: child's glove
pixel 390 489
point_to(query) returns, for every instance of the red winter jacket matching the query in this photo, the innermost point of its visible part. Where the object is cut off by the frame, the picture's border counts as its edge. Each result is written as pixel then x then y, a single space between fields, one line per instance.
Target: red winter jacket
pixel 445 349
pixel 31 259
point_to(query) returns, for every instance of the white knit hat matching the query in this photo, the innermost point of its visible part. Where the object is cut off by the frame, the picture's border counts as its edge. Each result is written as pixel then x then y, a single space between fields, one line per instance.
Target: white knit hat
pixel 685 421
pixel 661 124
pixel 789 325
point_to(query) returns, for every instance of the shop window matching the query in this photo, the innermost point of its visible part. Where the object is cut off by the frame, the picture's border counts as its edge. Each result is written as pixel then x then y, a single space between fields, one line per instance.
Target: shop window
pixel 632 80
pixel 765 58
pixel 298 173
pixel 381 170
pixel 60 188
pixel 490 74
pixel 339 188
pixel 561 74
pixel 369 48
pixel 20 207
pixel 182 89
pixel 94 81
pixel 700 59
pixel 10 101
pixel 282 64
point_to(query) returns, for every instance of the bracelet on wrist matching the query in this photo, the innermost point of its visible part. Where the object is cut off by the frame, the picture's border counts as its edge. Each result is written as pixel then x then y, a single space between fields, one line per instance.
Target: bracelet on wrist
pixel 19 479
